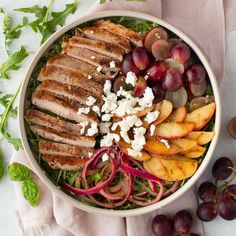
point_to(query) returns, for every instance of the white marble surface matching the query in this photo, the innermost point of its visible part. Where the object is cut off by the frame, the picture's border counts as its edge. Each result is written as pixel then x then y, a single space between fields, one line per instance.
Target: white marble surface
pixel 226 146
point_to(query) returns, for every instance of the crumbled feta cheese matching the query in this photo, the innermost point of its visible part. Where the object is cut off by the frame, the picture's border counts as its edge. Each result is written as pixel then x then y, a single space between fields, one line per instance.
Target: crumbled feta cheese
pixel 116 137
pixel 139 139
pixel 152 129
pixel 90 76
pixel 107 87
pixel 134 153
pixel 91 32
pixel 107 140
pixel 165 142
pixel 93 129
pixel 114 126
pixel 106 117
pixel 105 157
pixel 124 126
pixel 131 120
pixel 96 109
pixel 90 101
pixel 138 122
pixel 147 99
pixel 151 116
pixel 131 78
pixel 93 57
pixel 104 127
pixel 112 64
pixel 125 136
pixel 83 125
pixel 83 110
pixel 99 68
pixel 90 154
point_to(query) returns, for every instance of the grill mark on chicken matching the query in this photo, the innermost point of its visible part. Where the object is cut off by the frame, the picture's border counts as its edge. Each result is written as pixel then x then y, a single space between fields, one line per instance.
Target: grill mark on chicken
pixel 71 92
pixel 92 58
pixel 52 148
pixel 106 36
pixel 61 106
pixel 63 137
pixel 64 162
pixel 132 36
pixel 71 78
pixel 36 117
pixel 107 49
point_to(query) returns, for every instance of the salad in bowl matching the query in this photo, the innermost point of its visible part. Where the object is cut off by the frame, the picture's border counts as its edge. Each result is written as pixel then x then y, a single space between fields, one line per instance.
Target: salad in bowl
pixel 119 112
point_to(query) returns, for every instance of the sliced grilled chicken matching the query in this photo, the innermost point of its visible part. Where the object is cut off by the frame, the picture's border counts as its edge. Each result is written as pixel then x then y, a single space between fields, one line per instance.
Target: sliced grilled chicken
pixel 107 49
pixel 51 148
pixel 67 62
pixel 71 92
pixel 64 162
pixel 103 35
pixel 92 58
pixel 61 106
pixel 63 137
pixel 132 36
pixel 36 117
pixel 72 78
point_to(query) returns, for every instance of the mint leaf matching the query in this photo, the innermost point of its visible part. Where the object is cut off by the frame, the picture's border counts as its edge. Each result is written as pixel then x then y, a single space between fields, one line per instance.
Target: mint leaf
pixel 12 62
pixel 31 192
pixel 18 172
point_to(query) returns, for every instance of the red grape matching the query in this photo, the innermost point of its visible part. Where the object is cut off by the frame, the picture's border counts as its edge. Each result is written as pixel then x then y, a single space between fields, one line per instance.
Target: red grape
pixel 173 41
pixel 196 74
pixel 180 52
pixel 198 102
pixel 161 49
pixel 120 82
pixel 207 191
pixel 128 65
pixel 140 87
pixel 222 168
pixel 231 191
pixel 226 207
pixel 198 89
pixel 158 93
pixel 172 80
pixel 183 221
pixel 178 98
pixel 206 211
pixel 141 57
pixel 161 226
pixel 154 35
pixel 156 71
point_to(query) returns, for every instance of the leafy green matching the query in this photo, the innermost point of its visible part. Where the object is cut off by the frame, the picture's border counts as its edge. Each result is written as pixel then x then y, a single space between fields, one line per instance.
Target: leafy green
pixel 8 112
pixel 4 100
pixel 12 62
pixel 11 33
pixel 1 166
pixel 71 177
pixel 18 172
pixel 31 192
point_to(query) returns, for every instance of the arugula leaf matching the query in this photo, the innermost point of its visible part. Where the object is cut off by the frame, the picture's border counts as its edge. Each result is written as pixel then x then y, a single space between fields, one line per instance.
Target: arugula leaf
pixel 12 62
pixel 4 100
pixel 11 33
pixel 1 166
pixel 31 192
pixel 18 172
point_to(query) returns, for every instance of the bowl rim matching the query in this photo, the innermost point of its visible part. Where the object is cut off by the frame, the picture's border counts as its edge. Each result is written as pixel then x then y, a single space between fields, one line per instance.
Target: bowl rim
pixel 41 173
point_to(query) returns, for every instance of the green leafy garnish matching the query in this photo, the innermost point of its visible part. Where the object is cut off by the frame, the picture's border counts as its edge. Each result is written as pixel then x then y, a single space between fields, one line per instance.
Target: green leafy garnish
pixel 12 62
pixel 31 192
pixel 71 177
pixel 1 166
pixel 11 33
pixel 9 112
pixel 18 172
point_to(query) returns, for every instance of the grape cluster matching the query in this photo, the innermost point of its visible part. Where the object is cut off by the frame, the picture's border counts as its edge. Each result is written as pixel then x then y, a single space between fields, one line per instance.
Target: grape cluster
pixel 218 199
pixel 181 223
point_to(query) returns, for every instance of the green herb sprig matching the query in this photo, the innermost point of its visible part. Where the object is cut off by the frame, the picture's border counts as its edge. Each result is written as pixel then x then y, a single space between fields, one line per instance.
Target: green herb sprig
pixel 1 166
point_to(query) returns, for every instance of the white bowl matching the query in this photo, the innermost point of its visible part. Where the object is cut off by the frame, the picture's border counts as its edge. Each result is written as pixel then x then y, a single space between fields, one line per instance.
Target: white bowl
pixel 41 173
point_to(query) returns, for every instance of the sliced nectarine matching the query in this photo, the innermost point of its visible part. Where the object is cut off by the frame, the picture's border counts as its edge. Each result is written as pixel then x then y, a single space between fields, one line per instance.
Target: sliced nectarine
pixel 184 143
pixel 173 130
pixel 165 108
pixel 201 137
pixel 201 116
pixel 157 147
pixel 178 115
pixel 171 168
pixel 194 152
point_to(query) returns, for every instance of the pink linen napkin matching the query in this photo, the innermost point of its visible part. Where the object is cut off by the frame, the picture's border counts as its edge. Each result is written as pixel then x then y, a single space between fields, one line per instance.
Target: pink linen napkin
pixel 205 22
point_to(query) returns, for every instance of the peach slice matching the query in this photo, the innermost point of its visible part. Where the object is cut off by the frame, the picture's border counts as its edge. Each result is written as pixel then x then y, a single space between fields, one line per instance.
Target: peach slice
pixel 178 115
pixel 201 116
pixel 171 168
pixel 184 143
pixel 201 137
pixel 145 156
pixel 173 130
pixel 157 147
pixel 194 152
